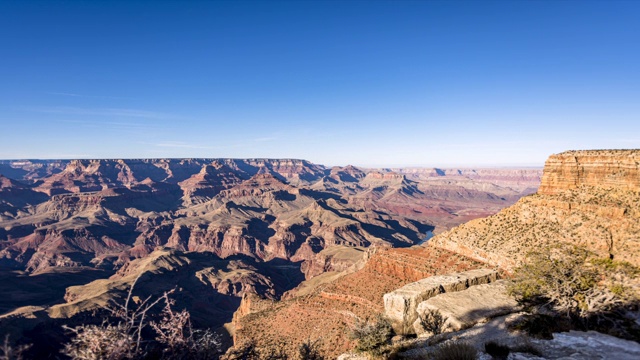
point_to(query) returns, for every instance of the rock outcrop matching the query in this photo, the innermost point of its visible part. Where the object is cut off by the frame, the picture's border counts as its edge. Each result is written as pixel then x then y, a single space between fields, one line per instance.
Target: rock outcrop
pixel 588 198
pixel 325 307
pixel 521 180
pixel 401 305
pixel 468 307
pixel 619 169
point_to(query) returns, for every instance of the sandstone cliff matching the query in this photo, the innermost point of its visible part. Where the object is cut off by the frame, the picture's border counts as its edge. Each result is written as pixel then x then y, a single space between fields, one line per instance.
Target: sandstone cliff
pixel 614 169
pixel 587 198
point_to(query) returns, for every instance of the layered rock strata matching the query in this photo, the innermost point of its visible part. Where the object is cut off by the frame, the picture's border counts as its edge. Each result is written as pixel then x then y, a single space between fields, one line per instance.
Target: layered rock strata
pixel 401 305
pixel 468 307
pixel 587 198
pixel 616 169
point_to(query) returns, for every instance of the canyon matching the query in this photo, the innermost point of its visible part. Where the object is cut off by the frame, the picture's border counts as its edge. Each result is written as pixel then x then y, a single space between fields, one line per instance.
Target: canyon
pixel 277 252
pixel 587 198
pixel 76 234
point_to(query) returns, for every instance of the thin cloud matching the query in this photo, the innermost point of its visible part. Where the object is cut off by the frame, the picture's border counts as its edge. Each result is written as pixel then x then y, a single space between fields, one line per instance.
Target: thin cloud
pixel 108 123
pixel 265 139
pixel 53 156
pixel 89 96
pixel 630 141
pixel 180 144
pixel 137 113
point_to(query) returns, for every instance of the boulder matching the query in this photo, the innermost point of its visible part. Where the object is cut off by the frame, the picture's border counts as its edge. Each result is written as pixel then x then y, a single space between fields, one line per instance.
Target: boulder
pixel 466 308
pixel 400 305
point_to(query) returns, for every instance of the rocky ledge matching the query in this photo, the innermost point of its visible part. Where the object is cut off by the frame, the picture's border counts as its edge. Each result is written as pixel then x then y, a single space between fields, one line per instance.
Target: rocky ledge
pixel 402 304
pixel 600 168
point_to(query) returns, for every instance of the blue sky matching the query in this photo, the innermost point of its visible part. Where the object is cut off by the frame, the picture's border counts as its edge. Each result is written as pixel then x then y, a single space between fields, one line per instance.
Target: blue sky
pixel 369 83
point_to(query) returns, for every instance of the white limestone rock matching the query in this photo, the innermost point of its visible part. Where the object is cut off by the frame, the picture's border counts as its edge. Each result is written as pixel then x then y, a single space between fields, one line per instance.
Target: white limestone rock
pixel 401 304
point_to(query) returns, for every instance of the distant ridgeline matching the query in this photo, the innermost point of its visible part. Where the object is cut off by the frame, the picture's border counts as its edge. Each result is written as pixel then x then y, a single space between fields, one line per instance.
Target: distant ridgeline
pixel 69 213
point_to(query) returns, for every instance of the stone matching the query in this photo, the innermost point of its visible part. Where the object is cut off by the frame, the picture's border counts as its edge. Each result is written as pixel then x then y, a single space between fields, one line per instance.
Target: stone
pixel 401 304
pixel 600 168
pixel 584 345
pixel 466 308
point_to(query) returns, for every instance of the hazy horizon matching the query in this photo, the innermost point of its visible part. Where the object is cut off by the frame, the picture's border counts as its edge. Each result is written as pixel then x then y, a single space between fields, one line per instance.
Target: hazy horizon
pixel 441 166
pixel 367 83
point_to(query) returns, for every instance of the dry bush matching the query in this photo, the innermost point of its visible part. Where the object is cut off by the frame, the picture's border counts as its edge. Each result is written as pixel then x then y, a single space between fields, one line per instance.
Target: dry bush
pixel 106 341
pixel 178 338
pixel 454 350
pixel 308 350
pixel 371 335
pixel 433 321
pixel 9 352
pixel 123 340
pixel 93 342
pixel 246 351
pixel 249 351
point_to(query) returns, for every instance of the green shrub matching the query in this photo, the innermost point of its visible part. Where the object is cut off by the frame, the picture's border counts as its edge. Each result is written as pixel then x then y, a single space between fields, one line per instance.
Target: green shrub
pixel 574 288
pixel 557 276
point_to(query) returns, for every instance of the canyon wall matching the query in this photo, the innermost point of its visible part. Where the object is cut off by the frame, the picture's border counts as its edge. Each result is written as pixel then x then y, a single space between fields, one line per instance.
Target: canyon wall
pixel 587 198
pixel 619 169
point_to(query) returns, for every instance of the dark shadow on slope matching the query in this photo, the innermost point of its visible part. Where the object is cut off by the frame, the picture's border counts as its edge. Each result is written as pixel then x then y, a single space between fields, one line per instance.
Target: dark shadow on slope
pixel 233 205
pixel 285 274
pixel 260 229
pixel 321 195
pixel 16 232
pixel 19 198
pixel 11 172
pixel 410 234
pixel 124 234
pixel 387 235
pixel 166 199
pixel 20 289
pixel 284 195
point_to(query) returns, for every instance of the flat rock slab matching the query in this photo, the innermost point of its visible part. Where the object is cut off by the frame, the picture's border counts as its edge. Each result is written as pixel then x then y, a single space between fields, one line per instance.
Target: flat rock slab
pixel 466 308
pixel 401 305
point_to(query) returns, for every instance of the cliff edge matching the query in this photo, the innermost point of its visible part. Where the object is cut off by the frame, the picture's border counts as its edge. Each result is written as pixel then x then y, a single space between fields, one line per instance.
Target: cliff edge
pixel 588 198
pixel 619 169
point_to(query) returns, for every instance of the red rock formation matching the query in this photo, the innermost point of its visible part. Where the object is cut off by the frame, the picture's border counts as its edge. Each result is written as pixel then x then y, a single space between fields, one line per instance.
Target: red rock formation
pixel 328 311
pixel 618 169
